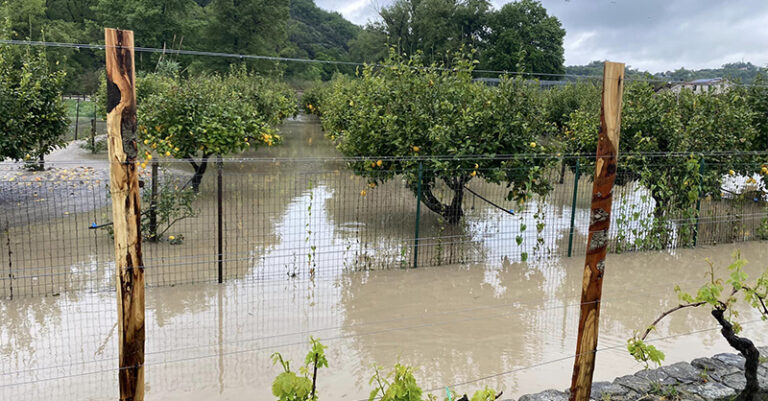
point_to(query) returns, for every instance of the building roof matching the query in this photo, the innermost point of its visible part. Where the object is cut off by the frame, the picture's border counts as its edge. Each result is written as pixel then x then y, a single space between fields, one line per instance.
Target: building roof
pixel 706 81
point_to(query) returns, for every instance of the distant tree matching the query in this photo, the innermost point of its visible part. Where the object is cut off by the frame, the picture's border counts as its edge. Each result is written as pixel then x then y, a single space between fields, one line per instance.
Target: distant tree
pixel 247 27
pixel 370 44
pixel 155 23
pixel 524 37
pixel 437 28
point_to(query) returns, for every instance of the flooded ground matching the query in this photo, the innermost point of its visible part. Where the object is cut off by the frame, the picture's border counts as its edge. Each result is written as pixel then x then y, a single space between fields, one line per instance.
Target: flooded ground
pixel 508 322
pixel 306 254
pixel 297 210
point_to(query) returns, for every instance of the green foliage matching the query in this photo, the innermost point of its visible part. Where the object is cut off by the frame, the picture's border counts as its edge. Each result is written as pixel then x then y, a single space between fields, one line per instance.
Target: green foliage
pixel 658 123
pixel 34 117
pixel 524 38
pixel 423 113
pixel 246 27
pixel 312 98
pixel 288 386
pixel 317 34
pixel 171 205
pixel 398 385
pixel 518 36
pixel 712 293
pixel 211 115
pixel 643 352
pixel 485 394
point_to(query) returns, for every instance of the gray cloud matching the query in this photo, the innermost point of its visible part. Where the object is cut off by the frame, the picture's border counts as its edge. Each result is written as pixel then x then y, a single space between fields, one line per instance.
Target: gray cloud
pixel 654 35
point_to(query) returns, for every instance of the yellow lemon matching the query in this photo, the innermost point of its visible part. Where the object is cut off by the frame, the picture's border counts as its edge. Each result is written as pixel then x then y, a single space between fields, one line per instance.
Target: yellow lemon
pixel 416 148
pixel 476 166
pixel 731 172
pixel 533 144
pixel 171 237
pixel 168 154
pixel 371 185
pixel 373 164
pixel 379 163
pixel 473 173
pixel 363 193
pixel 149 157
pixel 146 141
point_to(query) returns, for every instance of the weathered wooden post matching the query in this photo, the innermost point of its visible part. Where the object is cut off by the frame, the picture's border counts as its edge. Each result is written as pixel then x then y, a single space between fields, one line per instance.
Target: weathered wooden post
pixel 126 210
pixel 220 214
pixel 599 222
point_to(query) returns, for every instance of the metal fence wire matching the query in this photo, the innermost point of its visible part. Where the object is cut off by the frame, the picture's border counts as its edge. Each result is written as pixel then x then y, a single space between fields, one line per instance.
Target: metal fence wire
pixel 272 219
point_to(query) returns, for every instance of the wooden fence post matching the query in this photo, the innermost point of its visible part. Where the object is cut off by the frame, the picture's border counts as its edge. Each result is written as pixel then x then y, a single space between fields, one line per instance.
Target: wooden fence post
pixel 126 210
pixel 599 222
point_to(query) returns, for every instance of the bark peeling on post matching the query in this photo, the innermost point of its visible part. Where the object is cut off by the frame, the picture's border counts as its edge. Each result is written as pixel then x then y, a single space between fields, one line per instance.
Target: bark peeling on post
pixel 602 199
pixel 126 210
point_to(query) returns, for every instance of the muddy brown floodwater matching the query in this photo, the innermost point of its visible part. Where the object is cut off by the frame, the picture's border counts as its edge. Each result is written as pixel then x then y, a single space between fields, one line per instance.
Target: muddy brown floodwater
pixel 508 325
pixel 455 323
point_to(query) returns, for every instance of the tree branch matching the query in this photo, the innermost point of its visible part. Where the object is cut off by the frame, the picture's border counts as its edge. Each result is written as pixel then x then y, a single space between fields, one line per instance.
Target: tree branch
pixel 665 314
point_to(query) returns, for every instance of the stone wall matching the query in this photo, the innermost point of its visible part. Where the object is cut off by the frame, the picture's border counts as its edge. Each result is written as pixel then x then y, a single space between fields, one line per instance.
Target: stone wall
pixel 704 379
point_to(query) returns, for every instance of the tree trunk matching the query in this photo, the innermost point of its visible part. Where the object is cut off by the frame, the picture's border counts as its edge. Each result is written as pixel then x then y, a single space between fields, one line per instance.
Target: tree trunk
pixel 562 171
pixel 452 212
pixel 40 165
pixel 197 178
pixel 747 349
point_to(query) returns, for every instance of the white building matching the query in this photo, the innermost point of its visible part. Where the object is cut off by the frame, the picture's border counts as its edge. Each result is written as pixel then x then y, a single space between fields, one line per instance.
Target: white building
pixel 718 85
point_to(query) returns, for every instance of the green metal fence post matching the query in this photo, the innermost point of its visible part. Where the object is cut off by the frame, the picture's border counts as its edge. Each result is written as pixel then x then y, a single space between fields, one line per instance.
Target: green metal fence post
pixel 576 176
pixel 418 217
pixel 698 203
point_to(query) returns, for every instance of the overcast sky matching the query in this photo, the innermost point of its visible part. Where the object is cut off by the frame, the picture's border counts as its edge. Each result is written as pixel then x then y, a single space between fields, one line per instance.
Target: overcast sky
pixel 653 35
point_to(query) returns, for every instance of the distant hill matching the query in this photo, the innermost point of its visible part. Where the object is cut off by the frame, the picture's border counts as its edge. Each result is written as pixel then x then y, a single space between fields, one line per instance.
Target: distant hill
pixel 319 33
pixel 743 72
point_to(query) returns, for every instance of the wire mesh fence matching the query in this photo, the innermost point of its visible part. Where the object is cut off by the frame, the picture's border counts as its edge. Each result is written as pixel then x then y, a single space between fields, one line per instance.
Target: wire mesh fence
pixel 313 218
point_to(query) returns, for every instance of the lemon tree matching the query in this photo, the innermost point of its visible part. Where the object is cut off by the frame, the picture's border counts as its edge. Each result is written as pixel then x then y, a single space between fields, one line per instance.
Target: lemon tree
pixel 34 119
pixel 196 118
pixel 396 118
pixel 678 146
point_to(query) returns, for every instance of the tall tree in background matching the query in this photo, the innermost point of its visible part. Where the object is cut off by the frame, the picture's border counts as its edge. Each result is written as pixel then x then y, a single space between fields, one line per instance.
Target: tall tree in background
pixel 524 37
pixel 155 23
pixel 437 28
pixel 247 26
pixel 520 35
